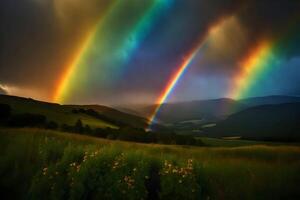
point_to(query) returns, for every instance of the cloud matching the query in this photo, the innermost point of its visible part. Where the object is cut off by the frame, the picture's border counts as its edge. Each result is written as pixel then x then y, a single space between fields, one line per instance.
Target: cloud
pixel 226 42
pixel 2 90
pixel 78 12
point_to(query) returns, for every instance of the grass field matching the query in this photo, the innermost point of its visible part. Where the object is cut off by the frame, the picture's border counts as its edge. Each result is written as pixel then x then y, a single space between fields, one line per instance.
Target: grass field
pixel 68 166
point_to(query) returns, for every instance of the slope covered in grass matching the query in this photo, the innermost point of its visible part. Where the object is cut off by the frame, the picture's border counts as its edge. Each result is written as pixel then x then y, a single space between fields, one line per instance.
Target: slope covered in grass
pixel 62 114
pixel 67 166
pixel 132 120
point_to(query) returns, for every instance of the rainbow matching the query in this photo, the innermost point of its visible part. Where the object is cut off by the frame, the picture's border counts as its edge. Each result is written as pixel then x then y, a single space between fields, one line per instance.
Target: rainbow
pixel 264 57
pixel 101 58
pixel 252 67
pixel 202 41
pixel 65 81
pixel 174 80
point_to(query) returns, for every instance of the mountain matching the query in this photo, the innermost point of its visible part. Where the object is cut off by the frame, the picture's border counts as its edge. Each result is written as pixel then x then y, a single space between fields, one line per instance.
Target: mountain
pixel 211 110
pixel 266 122
pixel 269 100
pixel 205 110
pixel 64 114
pixel 208 110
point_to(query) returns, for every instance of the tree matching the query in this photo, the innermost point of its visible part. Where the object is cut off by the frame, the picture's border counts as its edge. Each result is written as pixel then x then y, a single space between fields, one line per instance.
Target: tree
pixel 78 126
pixel 87 129
pixel 66 128
pixel 27 120
pixel 52 125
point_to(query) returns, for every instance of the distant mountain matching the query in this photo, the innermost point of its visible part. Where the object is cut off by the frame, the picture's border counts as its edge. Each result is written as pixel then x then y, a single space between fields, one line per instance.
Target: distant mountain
pixel 207 110
pixel 270 122
pixel 63 114
pixel 269 100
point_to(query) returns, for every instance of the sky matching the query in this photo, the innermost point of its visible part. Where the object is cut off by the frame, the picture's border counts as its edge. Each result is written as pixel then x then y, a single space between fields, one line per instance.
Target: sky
pixel 151 51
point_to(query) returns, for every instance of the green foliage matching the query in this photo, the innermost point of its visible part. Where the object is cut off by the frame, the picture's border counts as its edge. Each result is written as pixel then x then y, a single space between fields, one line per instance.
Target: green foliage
pixel 78 128
pixel 27 120
pixel 51 125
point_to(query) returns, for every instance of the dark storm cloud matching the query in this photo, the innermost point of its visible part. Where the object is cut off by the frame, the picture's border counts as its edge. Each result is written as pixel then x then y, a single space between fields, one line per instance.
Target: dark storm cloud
pixel 40 37
pixel 268 17
pixel 276 21
pixel 28 41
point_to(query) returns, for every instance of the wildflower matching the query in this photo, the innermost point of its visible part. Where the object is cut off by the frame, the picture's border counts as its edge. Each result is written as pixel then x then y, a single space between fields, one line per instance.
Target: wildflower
pixel 125 178
pixel 180 181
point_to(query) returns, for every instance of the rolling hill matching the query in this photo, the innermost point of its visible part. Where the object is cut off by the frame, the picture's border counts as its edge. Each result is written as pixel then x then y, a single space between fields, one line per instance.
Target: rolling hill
pixel 266 122
pixel 63 114
pixel 269 100
pixel 208 110
pixel 211 110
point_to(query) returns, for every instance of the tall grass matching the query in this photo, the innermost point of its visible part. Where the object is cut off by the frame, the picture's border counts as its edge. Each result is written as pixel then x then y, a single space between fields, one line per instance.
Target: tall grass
pixel 38 164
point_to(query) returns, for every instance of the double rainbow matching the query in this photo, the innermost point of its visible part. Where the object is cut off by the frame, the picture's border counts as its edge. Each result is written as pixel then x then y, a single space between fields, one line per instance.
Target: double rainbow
pixel 103 57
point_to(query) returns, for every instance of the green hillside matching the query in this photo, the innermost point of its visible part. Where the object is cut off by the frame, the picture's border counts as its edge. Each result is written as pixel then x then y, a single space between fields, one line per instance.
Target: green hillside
pixel 62 114
pixel 132 120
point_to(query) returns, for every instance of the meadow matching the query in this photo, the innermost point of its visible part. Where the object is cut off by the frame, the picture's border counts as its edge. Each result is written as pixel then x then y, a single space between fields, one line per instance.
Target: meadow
pixel 44 164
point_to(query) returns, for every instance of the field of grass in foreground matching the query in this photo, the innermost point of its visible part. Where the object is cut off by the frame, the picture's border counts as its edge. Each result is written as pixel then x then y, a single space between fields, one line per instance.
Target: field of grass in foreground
pixel 39 164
